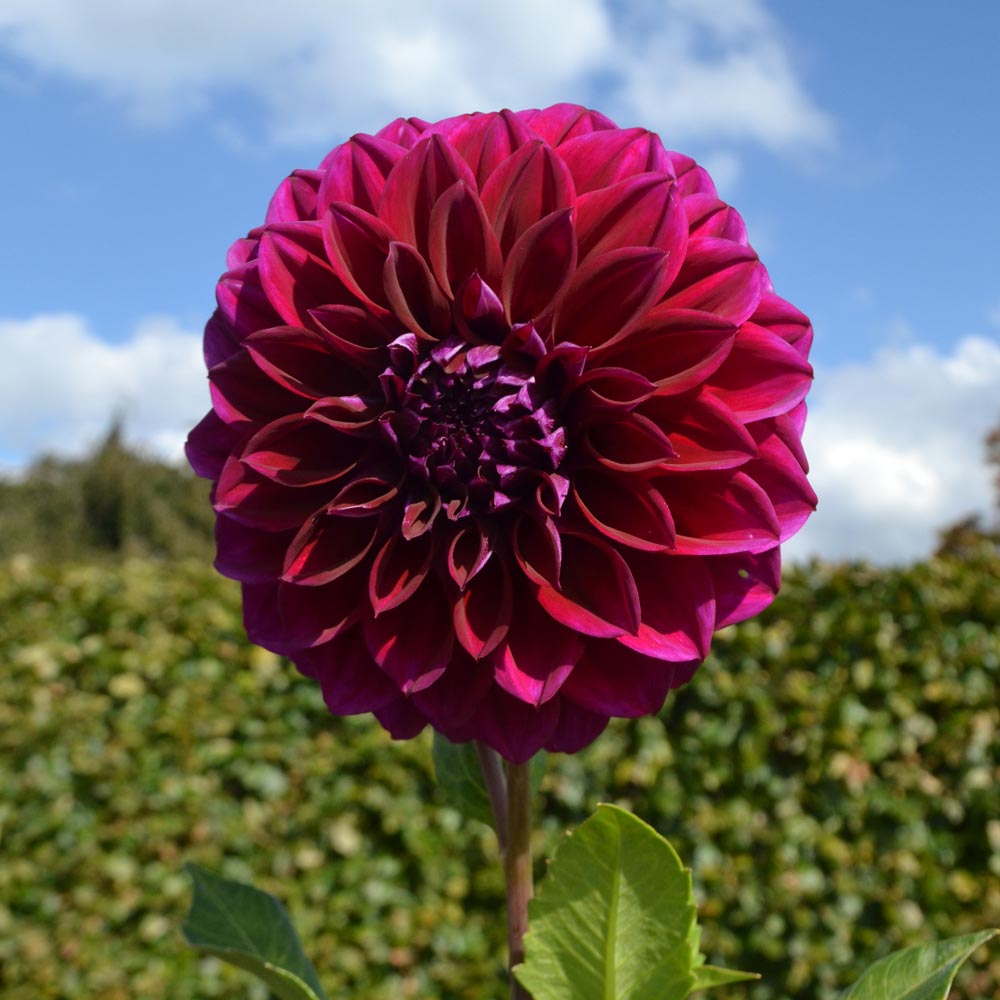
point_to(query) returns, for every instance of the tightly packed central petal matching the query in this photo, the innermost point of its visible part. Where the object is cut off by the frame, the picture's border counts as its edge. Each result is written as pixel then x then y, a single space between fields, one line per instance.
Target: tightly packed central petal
pixel 472 424
pixel 506 421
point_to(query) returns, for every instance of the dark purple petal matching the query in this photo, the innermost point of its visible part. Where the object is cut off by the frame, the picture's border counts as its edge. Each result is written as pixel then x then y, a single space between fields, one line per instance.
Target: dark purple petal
pixel 326 547
pixel 247 554
pixel 413 642
pixel 482 611
pixel 350 680
pixel 537 655
pixel 294 451
pixel 398 570
pixel 209 445
pixel 613 679
pixel 577 728
pixel 259 502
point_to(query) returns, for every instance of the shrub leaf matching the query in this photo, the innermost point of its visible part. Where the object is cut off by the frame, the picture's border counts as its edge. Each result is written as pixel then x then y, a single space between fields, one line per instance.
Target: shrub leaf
pixel 614 917
pixel 924 972
pixel 456 766
pixel 250 929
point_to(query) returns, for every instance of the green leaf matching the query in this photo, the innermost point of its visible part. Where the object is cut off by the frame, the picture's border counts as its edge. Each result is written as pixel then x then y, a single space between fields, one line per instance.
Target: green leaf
pixel 924 972
pixel 613 919
pixel 708 976
pixel 250 929
pixel 459 774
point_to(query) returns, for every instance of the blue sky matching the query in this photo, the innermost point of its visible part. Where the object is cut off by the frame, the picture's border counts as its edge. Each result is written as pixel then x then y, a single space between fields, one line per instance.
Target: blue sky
pixel 858 141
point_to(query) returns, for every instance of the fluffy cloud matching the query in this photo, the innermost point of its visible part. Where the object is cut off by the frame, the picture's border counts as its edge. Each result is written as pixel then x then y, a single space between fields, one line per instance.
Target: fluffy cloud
pixel 711 69
pixel 897 451
pixel 60 385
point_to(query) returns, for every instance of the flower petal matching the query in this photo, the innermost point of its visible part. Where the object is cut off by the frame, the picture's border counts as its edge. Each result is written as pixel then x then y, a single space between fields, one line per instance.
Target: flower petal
pixel 355 173
pixel 675 349
pixel 209 445
pixel 538 267
pixel 247 554
pixel 745 584
pixel 597 594
pixel 412 643
pixel 562 122
pixel 537 655
pixel 254 500
pixel 609 294
pixel 614 679
pixel 413 294
pixel 576 729
pixel 482 609
pixel 538 549
pixel 295 451
pixel 414 186
pixel 640 211
pixel 296 279
pixel 524 189
pixel 704 432
pixel 301 361
pixel 719 276
pixel 677 598
pixel 398 570
pixel 461 240
pixel 719 513
pixel 629 442
pixel 624 509
pixel 350 680
pixel 602 158
pixel 327 546
pixel 357 244
pixel 295 199
pixel 311 616
pixel 763 376
pixel 485 141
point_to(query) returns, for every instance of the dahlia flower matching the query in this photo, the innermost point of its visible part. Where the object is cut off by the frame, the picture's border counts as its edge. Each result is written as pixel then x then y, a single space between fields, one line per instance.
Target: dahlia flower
pixel 506 421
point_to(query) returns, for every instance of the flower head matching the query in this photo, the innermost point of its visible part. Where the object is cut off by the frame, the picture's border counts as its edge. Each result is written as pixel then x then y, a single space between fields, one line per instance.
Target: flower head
pixel 506 421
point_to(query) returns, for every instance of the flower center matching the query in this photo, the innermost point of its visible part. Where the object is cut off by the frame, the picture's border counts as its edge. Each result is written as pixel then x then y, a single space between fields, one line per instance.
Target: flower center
pixel 472 426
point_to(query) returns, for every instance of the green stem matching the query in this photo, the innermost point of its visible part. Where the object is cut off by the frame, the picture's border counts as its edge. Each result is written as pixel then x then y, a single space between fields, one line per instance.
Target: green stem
pixel 517 867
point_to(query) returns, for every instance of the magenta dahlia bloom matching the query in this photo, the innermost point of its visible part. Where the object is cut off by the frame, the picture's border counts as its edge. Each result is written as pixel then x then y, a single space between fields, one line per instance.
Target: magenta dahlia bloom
pixel 506 421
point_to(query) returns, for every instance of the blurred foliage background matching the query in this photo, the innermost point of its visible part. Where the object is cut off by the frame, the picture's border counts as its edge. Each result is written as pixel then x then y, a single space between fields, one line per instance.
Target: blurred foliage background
pixel 832 775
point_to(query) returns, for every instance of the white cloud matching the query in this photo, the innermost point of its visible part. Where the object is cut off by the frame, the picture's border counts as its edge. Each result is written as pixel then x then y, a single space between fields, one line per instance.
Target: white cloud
pixel 897 449
pixel 709 69
pixel 61 384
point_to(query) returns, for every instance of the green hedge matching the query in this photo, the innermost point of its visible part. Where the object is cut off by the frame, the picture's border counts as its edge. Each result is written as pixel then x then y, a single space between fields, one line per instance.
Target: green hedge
pixel 831 776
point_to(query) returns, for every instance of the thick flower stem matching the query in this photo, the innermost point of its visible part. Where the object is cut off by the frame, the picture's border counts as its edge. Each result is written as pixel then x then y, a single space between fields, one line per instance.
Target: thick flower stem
pixel 517 867
pixel 496 788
